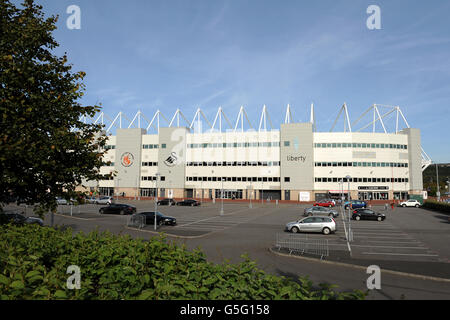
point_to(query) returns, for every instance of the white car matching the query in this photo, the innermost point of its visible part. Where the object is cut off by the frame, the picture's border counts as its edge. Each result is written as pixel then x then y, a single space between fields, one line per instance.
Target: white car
pixel 104 200
pixel 61 201
pixel 410 203
pixel 325 225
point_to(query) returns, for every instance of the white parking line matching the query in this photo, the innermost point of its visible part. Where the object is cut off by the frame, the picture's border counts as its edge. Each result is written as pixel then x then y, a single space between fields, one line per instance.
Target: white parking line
pixel 417 248
pixel 402 254
pixel 384 241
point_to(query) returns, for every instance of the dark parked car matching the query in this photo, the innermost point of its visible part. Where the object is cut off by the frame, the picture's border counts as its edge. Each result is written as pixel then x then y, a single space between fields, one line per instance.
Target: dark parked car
pixel 188 202
pixel 17 218
pixel 367 214
pixel 160 218
pixel 166 202
pixel 355 204
pixel 118 208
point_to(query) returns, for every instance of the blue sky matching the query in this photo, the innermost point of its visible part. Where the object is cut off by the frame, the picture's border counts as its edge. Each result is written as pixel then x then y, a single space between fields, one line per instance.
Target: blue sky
pixel 186 54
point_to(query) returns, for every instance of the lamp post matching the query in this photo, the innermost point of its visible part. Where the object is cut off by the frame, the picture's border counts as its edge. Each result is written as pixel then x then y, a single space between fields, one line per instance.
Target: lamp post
pixel 156 198
pixel 262 191
pixel 221 208
pixel 117 193
pixel 341 185
pixel 213 197
pixel 350 236
pixel 406 188
pixel 251 195
pixel 438 193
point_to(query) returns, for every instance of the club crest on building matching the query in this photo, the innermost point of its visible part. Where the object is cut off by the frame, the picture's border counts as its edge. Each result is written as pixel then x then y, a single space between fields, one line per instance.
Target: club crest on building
pixel 171 160
pixel 127 159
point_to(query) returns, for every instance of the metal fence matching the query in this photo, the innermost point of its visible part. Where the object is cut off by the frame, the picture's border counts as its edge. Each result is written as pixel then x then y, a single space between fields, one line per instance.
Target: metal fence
pixel 136 221
pixel 301 244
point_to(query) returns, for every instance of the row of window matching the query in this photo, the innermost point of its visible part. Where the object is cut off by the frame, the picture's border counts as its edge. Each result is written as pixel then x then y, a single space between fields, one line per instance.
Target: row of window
pixel 153 146
pixel 149 164
pixel 234 164
pixel 369 180
pixel 362 164
pixel 235 179
pixel 152 178
pixel 233 145
pixel 361 145
pixel 109 147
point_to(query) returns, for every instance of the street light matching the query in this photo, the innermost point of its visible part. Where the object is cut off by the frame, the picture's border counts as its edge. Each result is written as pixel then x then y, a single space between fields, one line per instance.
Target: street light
pixel 156 198
pixel 221 209
pixel 251 195
pixel 350 236
pixel 438 193
pixel 117 193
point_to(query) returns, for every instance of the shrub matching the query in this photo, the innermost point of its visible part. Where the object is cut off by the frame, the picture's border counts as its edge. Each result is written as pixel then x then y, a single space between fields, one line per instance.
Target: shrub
pixel 34 261
pixel 439 206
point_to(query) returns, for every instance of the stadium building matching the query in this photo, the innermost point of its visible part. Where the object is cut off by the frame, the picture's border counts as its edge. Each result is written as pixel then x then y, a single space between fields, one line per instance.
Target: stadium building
pixel 294 162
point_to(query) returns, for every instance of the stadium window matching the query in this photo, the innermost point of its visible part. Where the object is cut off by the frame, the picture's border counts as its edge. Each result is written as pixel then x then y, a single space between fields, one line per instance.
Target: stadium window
pixel 287 179
pixel 286 143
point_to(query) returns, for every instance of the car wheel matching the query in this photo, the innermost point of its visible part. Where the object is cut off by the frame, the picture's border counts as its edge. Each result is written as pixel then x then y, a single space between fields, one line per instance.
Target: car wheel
pixel 417 205
pixel 294 230
pixel 403 205
pixel 102 211
pixel 330 206
pixel 192 205
pixel 326 231
pixel 379 218
pixel 357 218
pixel 331 215
pixel 122 212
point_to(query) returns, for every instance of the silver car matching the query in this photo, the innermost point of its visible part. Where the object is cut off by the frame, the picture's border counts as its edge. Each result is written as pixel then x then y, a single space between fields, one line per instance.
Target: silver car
pixel 61 201
pixel 325 225
pixel 104 200
pixel 320 211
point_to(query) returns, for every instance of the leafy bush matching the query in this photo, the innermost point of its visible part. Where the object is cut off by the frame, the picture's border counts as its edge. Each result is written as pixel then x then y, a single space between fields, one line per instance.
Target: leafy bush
pixel 439 206
pixel 34 261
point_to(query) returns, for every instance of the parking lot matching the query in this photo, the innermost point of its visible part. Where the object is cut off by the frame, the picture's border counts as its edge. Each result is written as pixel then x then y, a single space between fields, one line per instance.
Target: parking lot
pixel 410 240
pixel 400 237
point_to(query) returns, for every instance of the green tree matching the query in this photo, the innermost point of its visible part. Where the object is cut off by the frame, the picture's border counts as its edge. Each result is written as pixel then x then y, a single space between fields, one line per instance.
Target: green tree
pixel 41 155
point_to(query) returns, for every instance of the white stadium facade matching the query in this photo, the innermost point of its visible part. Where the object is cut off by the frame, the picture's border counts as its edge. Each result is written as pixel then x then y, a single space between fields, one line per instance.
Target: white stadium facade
pixel 182 159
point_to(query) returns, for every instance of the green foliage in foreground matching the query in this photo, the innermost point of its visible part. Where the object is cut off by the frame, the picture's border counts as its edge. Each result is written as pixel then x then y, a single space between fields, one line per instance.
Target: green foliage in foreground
pixel 435 205
pixel 34 261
